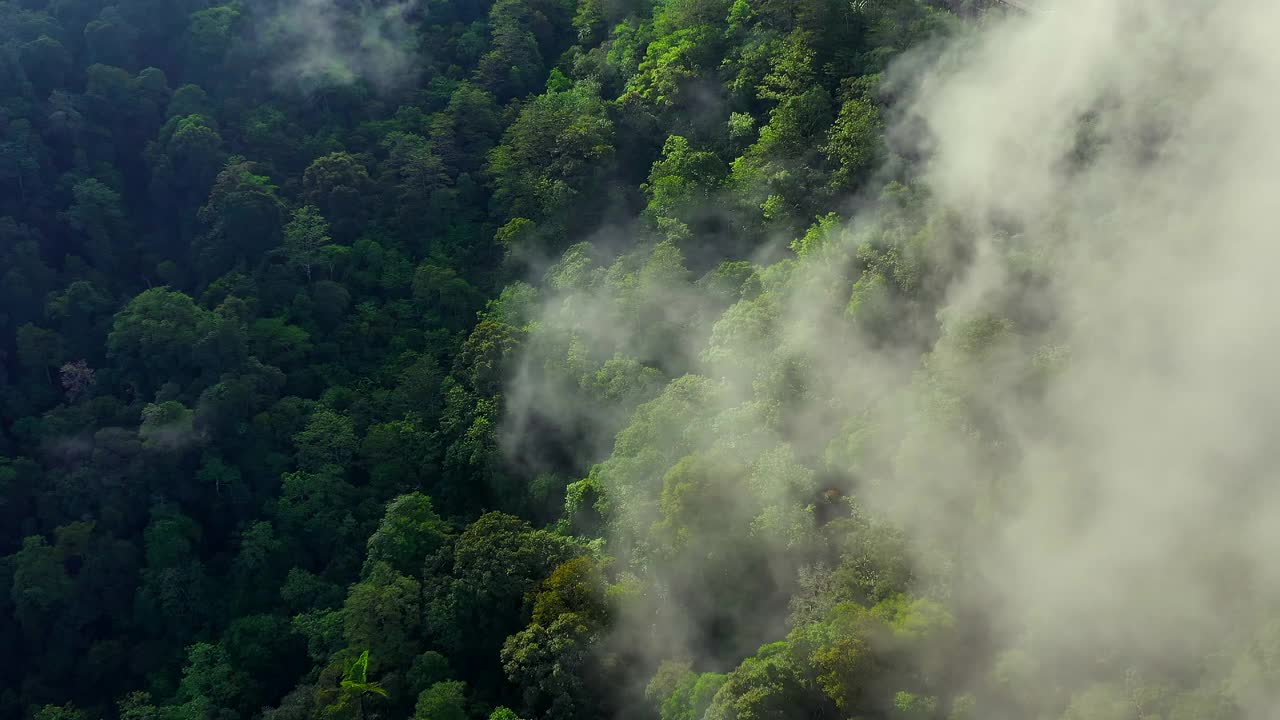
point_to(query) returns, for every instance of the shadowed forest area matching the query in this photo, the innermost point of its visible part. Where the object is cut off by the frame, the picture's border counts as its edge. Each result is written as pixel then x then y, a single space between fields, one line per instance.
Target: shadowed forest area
pixel 634 359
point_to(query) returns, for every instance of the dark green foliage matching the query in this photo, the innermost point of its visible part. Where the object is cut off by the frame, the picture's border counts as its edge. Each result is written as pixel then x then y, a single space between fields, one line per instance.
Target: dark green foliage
pixel 558 148
pixel 442 701
pixel 153 336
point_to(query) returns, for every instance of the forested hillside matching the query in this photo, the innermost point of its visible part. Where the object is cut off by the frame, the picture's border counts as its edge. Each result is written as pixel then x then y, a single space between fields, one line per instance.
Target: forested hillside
pixel 594 359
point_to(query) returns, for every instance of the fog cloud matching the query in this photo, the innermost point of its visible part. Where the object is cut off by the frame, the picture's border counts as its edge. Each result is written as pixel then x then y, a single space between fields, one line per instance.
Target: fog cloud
pixel 336 42
pixel 1086 446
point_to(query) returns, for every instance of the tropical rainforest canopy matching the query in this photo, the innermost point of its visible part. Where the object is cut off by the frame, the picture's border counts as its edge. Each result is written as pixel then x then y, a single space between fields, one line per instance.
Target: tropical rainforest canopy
pixel 671 359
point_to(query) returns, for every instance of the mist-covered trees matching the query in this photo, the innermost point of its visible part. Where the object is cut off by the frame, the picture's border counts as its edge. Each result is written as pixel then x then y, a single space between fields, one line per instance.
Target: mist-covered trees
pixel 454 360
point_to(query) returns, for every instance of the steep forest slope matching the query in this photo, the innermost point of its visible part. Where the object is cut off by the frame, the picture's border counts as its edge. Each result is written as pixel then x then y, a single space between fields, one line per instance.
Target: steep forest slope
pixel 678 359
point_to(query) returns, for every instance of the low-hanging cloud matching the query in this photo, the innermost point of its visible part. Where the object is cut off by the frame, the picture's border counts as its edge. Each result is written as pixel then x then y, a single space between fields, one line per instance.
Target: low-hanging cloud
pixel 1129 147
pixel 1106 173
pixel 338 42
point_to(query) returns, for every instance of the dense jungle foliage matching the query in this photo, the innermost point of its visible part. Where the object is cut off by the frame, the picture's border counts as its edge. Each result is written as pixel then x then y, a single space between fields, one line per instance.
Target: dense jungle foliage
pixel 354 363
